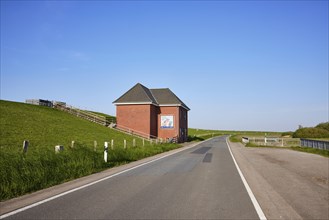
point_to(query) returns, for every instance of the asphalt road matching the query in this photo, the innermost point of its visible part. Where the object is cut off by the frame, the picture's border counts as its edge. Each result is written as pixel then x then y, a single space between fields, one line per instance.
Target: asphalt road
pixel 198 183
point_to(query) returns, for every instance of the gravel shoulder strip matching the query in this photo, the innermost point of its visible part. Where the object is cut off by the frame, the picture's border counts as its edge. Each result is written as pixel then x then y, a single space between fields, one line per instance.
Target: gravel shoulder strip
pixel 287 184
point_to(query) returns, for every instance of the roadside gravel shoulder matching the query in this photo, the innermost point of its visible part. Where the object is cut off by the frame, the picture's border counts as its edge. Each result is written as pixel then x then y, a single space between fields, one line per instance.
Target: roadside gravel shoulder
pixel 287 184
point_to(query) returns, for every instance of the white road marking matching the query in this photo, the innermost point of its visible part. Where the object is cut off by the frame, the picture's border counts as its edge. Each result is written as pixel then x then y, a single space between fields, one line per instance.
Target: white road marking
pixel 259 210
pixel 92 183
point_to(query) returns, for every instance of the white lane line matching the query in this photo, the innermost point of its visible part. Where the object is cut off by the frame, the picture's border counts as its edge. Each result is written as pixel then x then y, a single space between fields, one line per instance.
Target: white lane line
pixel 92 183
pixel 259 210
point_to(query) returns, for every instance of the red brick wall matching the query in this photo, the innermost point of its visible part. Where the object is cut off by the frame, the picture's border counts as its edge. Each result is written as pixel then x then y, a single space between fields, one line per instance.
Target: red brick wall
pixel 134 117
pixel 168 132
pixel 147 120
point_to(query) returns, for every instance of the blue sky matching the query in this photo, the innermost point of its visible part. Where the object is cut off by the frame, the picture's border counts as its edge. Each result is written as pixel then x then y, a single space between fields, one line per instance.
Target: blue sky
pixel 239 65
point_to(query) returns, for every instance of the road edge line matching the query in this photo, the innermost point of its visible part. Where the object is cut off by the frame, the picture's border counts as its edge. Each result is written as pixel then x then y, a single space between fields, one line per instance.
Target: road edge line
pixel 95 182
pixel 258 209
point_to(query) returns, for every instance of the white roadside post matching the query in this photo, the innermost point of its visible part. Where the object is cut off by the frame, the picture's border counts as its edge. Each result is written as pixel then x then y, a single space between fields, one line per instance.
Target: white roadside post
pixel 58 148
pixel 105 151
pixel 134 142
pixel 95 145
pixel 112 144
pixel 124 144
pixel 25 146
pixel 143 142
pixel 72 144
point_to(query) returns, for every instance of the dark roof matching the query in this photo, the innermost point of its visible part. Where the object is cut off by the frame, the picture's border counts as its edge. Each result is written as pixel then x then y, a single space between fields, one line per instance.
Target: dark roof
pixel 167 97
pixel 140 94
pixel 137 94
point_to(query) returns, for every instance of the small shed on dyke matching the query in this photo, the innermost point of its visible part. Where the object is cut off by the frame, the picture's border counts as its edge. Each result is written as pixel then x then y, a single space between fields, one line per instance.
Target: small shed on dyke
pixel 152 113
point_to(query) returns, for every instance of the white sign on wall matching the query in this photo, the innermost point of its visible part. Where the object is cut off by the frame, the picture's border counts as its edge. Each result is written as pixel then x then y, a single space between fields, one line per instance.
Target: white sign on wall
pixel 167 121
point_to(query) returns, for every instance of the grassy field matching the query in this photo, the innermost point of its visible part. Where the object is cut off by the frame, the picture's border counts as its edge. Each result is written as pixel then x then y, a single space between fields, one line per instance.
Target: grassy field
pixel 45 127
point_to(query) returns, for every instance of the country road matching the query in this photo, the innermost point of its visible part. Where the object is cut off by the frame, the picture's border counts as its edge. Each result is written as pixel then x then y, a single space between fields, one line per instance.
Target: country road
pixel 198 183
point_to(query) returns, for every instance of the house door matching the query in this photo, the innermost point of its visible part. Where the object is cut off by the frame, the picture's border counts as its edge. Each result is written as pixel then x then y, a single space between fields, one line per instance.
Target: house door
pixel 183 133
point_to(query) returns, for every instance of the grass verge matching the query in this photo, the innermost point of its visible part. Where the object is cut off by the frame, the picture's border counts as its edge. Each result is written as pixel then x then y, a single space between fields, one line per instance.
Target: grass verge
pixel 296 148
pixel 24 173
pixel 324 153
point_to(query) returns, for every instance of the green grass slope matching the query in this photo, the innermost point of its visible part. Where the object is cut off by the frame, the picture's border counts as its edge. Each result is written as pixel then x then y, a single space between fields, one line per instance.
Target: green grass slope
pixel 45 127
pixel 108 117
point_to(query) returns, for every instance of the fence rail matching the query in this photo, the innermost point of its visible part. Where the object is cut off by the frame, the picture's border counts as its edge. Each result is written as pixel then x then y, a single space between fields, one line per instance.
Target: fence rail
pixel 317 144
pixel 272 141
pixel 138 133
pixel 84 114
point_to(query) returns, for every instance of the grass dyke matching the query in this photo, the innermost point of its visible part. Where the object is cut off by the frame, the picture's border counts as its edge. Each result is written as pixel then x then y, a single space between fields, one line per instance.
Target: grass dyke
pixel 44 127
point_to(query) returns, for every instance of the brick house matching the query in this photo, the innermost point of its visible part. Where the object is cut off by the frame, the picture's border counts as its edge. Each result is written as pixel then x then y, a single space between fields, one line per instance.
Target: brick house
pixel 154 113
